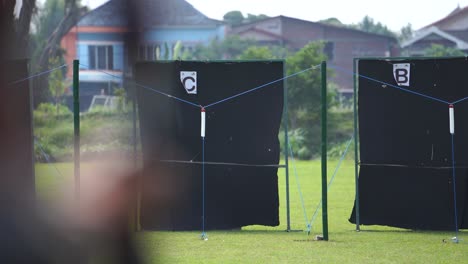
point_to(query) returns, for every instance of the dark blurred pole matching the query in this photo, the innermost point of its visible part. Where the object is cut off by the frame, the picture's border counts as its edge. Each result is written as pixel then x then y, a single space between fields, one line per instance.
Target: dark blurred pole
pixel 136 226
pixel 134 20
pixel 76 125
pixel 17 183
pixel 17 186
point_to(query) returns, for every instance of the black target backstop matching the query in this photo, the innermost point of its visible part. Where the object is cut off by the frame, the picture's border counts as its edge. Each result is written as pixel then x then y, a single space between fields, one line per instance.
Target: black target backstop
pixel 241 138
pixel 406 168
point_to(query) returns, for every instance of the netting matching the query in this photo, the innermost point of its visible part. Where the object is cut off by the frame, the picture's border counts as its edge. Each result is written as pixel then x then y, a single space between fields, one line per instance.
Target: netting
pixel 126 144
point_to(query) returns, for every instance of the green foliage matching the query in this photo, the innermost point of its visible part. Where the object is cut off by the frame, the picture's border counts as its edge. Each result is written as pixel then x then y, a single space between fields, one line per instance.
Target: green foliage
pixel 177 49
pixel 368 24
pixel 236 18
pixel 166 51
pixel 340 126
pixel 102 130
pixel 47 114
pixel 53 130
pixel 337 150
pixel 256 53
pixel 228 48
pixel 297 143
pixel 233 18
pixel 121 96
pixel 437 50
pixel 406 32
pixel 99 110
pixel 57 87
pixel 340 131
pixel 235 47
pixel 251 18
pixel 332 21
pixel 44 22
pixel 304 89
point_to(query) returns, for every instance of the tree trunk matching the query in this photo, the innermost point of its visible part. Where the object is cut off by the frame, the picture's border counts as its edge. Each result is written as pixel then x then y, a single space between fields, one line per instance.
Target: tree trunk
pixel 70 19
pixel 23 25
pixel 7 29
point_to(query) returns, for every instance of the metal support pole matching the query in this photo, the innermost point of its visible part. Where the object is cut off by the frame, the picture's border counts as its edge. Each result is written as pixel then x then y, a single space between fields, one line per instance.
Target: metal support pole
pixel 286 153
pixel 76 127
pixel 356 156
pixel 324 152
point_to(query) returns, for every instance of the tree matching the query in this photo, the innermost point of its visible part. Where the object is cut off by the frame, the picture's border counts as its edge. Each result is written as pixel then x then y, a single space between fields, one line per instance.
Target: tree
pixel 406 32
pixel 228 48
pixel 437 50
pixel 24 25
pixel 304 91
pixel 236 18
pixel 56 83
pixel 251 18
pixel 233 18
pixel 54 20
pixel 15 30
pixel 45 21
pixel 368 24
pixel 71 12
pixel 256 53
pixel 332 21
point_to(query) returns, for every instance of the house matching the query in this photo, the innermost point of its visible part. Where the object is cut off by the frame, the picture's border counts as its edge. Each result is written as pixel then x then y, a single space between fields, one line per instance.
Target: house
pixel 450 31
pixel 100 40
pixel 342 44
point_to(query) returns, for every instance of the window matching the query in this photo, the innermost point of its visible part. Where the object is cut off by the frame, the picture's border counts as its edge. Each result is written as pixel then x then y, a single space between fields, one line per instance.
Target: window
pixel 329 50
pixel 149 52
pixel 101 57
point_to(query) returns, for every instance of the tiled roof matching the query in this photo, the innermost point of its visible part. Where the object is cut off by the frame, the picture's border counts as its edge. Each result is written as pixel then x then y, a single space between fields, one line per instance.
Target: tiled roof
pixel 112 13
pixel 172 13
pixel 456 14
pixel 246 26
pixel 460 34
pixel 150 13
pixel 458 37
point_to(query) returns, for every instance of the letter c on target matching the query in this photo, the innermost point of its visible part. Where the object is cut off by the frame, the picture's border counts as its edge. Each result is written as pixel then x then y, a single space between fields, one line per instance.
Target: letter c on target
pixel 189 78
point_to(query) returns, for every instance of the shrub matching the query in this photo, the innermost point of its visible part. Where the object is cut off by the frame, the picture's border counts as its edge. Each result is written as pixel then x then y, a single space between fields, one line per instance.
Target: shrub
pixel 46 114
pixel 297 142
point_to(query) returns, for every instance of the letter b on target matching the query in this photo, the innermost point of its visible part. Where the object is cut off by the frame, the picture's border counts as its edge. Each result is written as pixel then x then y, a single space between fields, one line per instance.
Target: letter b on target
pixel 401 73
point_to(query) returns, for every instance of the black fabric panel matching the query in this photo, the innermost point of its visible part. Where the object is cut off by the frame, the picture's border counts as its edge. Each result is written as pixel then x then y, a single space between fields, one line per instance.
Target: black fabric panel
pixel 409 130
pixel 412 198
pixel 243 130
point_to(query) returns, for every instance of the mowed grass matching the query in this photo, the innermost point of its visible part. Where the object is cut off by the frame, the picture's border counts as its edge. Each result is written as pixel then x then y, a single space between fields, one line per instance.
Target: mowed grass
pixel 258 244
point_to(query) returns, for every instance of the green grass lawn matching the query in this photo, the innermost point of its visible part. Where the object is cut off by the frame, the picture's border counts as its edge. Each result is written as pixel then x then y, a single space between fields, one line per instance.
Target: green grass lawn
pixel 258 244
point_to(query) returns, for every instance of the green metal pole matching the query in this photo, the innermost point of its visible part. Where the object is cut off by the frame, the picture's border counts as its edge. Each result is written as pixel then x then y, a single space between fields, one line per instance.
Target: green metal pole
pixel 356 161
pixel 324 152
pixel 286 152
pixel 76 128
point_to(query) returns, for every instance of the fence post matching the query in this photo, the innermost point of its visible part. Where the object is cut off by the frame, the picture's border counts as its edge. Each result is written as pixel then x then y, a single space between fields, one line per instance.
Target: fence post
pixel 286 152
pixel 356 160
pixel 324 152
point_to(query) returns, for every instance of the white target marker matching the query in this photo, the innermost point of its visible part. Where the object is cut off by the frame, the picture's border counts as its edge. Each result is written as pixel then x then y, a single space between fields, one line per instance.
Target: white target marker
pixel 452 119
pixel 203 122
